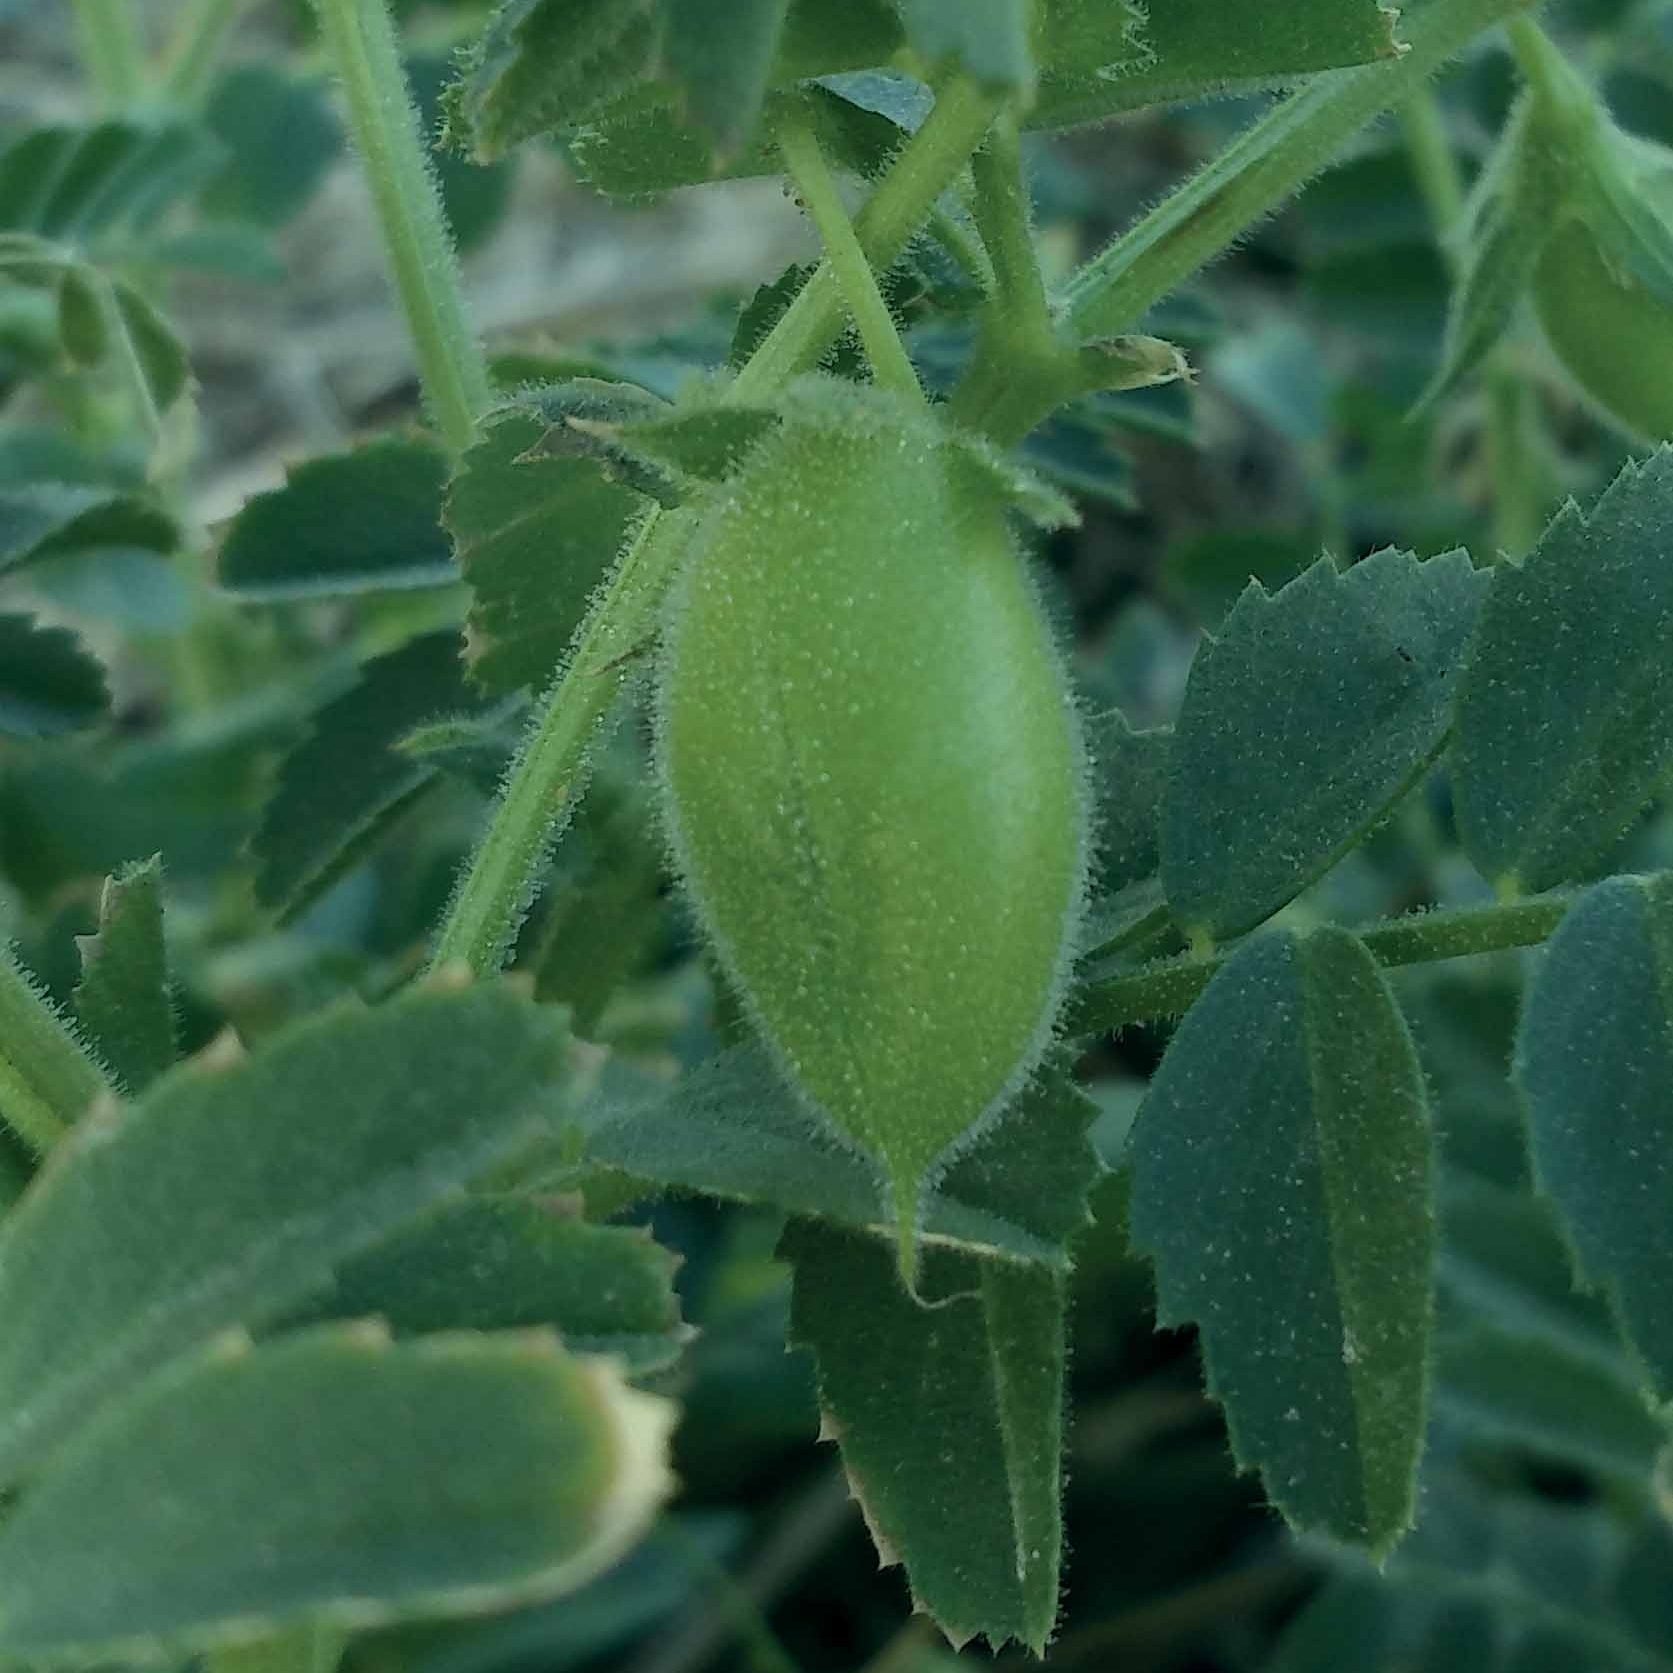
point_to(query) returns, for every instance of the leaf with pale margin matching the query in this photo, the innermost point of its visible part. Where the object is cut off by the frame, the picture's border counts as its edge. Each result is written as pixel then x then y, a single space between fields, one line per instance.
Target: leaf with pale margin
pixel 949 1418
pixel 1594 1062
pixel 1283 1183
pixel 52 519
pixel 341 788
pixel 122 1001
pixel 320 1480
pixel 227 1194
pixel 535 536
pixel 1095 64
pixel 1314 710
pixel 48 683
pixel 514 1263
pixel 364 521
pixel 154 346
pixel 733 1128
pixel 1129 772
pixel 1565 708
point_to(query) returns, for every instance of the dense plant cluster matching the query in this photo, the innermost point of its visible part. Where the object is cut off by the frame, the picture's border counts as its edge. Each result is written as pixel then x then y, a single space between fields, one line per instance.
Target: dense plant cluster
pixel 991 854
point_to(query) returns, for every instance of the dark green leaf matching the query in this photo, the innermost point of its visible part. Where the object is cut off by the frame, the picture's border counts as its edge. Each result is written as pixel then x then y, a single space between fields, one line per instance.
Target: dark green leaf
pixel 1594 1060
pixel 123 1002
pixel 987 39
pixel 1129 771
pixel 320 1479
pixel 83 324
pixel 48 683
pixel 1565 709
pixel 1098 59
pixel 1315 709
pixel 47 519
pixel 949 1418
pixel 1282 1180
pixel 340 789
pixel 512 1263
pixel 154 345
pixel 534 537
pixel 720 59
pixel 732 1128
pixel 279 137
pixel 354 522
pixel 228 1193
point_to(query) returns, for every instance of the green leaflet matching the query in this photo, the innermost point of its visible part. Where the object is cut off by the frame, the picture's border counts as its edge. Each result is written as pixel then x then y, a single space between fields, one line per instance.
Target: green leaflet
pixel 950 1421
pixel 720 59
pixel 49 519
pixel 320 1479
pixel 1594 1061
pixel 1310 714
pixel 1565 708
pixel 1129 772
pixel 513 1263
pixel 363 521
pixel 279 135
pixel 123 1002
pixel 341 787
pixel 1189 49
pixel 535 535
pixel 733 1128
pixel 48 683
pixel 1282 1181
pixel 226 1194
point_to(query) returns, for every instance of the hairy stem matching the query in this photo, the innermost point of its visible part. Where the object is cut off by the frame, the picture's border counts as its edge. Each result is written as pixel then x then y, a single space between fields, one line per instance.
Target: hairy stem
pixel 197 44
pixel 818 191
pixel 1168 988
pixel 108 39
pixel 362 43
pixel 47 1081
pixel 547 778
pixel 1002 214
pixel 1267 164
pixel 925 167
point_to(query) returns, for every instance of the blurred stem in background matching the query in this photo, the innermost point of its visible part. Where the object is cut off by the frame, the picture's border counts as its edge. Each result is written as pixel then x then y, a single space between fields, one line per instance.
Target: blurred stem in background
pixel 197 43
pixel 1514 442
pixel 111 49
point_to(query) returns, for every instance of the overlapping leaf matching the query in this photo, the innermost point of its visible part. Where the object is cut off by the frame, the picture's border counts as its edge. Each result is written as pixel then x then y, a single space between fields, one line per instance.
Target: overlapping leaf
pixel 44 519
pixel 319 1480
pixel 733 1128
pixel 123 1002
pixel 354 522
pixel 48 683
pixel 534 535
pixel 341 787
pixel 1282 1181
pixel 949 1419
pixel 1594 1061
pixel 1313 711
pixel 513 1263
pixel 227 1194
pixel 1565 710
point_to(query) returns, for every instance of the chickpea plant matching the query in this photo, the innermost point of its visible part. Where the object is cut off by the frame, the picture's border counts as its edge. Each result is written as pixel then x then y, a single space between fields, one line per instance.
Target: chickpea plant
pixel 320 1319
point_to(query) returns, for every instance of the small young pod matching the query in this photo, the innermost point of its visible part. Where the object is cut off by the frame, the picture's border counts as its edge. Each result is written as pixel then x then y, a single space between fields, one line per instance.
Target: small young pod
pixel 1613 335
pixel 873 774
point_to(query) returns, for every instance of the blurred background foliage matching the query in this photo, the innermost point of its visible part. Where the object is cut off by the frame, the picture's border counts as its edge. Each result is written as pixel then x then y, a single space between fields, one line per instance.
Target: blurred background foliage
pixel 1540 1545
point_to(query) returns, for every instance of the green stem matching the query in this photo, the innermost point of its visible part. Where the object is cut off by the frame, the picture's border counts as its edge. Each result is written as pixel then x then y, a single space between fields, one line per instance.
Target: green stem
pixel 1267 164
pixel 890 367
pixel 1553 79
pixel 1167 989
pixel 549 774
pixel 197 44
pixel 47 1081
pixel 111 51
pixel 362 42
pixel 925 167
pixel 546 779
pixel 1001 207
pixel 1434 163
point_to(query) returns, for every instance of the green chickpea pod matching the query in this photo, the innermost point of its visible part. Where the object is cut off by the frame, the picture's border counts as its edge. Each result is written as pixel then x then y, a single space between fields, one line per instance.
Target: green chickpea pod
pixel 873 773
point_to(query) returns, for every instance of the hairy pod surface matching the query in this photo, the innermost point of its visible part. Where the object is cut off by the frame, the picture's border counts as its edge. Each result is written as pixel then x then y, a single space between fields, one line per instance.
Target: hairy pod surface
pixel 873 773
pixel 1614 337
